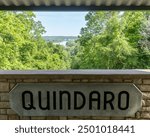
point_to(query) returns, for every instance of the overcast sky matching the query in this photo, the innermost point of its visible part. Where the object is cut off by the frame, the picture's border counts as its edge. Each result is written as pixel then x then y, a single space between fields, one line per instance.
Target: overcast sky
pixel 62 23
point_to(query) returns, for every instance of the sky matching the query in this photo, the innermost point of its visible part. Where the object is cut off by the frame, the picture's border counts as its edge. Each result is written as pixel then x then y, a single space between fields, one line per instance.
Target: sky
pixel 62 23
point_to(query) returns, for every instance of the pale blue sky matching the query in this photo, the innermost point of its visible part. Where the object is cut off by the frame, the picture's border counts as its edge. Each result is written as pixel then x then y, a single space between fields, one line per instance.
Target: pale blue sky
pixel 62 23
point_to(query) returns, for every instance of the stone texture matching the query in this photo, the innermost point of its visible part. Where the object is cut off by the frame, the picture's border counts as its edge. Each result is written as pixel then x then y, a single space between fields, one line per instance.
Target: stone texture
pixel 30 80
pixel 38 118
pixel 62 118
pixel 3 80
pixel 11 80
pixel 101 118
pixel 146 81
pixel 8 83
pixel 4 97
pixel 12 85
pixel 147 102
pixel 144 87
pixel 3 111
pixel 61 80
pixel 146 95
pixel 4 105
pixel 4 86
pixel 117 118
pixel 130 118
pixel 44 80
pixel 3 117
pixel 146 109
pixel 105 80
pixel 85 80
pixel 79 118
pixel 76 80
pixel 52 118
pixel 145 115
pixel 138 115
pixel 117 80
pixel 10 112
pixel 19 80
pixel 95 80
pixel 25 118
pixel 143 103
pixel 128 81
pixel 13 117
pixel 137 81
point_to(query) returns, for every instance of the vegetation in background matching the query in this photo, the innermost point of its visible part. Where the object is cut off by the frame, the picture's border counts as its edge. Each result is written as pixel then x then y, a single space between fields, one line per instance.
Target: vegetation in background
pixel 114 40
pixel 110 40
pixel 22 45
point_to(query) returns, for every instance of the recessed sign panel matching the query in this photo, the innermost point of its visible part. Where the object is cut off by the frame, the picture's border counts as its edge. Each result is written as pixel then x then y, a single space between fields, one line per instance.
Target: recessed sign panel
pixel 75 99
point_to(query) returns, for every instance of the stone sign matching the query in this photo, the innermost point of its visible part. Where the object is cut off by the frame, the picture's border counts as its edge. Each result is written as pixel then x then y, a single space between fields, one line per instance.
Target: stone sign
pixel 75 99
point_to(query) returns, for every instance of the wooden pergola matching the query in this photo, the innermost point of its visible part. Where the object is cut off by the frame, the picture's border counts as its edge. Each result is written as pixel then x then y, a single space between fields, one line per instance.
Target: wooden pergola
pixel 74 5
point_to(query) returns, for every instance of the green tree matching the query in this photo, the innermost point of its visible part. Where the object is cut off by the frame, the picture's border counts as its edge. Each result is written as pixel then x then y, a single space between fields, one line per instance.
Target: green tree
pixel 22 45
pixel 109 48
pixel 144 45
pixel 112 40
pixel 73 48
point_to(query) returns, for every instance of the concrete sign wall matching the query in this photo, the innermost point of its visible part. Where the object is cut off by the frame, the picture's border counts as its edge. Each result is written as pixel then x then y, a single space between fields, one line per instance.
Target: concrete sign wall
pixel 75 99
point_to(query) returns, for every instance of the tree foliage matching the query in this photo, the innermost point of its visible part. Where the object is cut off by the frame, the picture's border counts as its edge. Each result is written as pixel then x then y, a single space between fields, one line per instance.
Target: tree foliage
pixel 110 40
pixel 22 45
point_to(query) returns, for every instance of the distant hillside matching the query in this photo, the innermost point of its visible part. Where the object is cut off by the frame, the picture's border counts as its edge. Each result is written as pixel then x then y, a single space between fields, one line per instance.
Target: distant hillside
pixel 57 39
